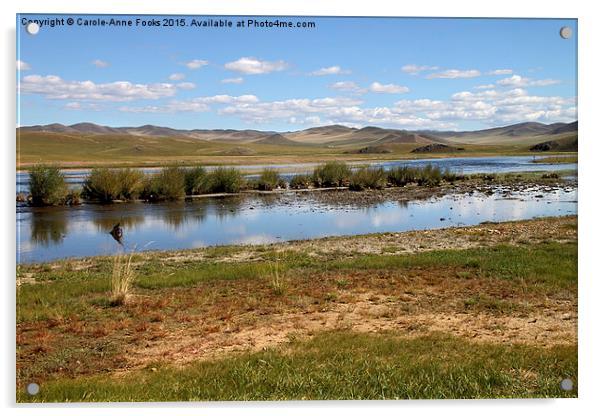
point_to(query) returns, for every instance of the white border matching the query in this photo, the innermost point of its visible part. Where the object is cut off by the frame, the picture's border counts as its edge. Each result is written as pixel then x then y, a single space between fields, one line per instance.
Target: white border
pixel 590 276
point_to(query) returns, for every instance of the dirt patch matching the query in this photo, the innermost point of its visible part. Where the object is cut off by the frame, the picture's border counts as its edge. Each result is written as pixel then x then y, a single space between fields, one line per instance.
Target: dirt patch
pixel 185 346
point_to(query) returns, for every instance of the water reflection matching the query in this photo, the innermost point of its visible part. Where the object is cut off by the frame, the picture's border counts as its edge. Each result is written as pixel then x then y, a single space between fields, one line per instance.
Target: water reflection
pixel 51 233
pixel 46 230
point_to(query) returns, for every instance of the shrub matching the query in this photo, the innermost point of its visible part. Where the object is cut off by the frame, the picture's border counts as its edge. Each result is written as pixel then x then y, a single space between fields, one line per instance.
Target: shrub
pixel 196 181
pixel 269 179
pixel 132 181
pixel 228 180
pixel 47 185
pixel 168 184
pixel 332 174
pixel 73 197
pixel 402 175
pixel 368 178
pixel 102 184
pixel 429 176
pixel 107 185
pixel 450 176
pixel 301 181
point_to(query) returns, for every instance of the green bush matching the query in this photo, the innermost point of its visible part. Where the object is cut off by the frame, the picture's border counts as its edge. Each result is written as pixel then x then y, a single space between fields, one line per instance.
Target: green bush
pixel 269 180
pixel 47 185
pixel 227 180
pixel 107 185
pixel 428 175
pixel 368 178
pixel 402 175
pixel 132 181
pixel 196 180
pixel 450 176
pixel 332 174
pixel 168 184
pixel 301 181
pixel 73 197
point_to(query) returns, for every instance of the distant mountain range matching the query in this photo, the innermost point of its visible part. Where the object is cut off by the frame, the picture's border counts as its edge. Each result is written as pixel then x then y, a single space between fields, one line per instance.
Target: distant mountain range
pixel 331 136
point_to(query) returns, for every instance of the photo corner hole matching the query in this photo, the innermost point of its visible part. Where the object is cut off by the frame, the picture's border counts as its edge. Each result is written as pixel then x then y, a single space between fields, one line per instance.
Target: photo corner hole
pixel 566 32
pixel 32 28
pixel 33 389
pixel 566 384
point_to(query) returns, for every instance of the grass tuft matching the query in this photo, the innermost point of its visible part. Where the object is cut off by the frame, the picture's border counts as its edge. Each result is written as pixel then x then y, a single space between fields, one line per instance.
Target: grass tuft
pixel 122 279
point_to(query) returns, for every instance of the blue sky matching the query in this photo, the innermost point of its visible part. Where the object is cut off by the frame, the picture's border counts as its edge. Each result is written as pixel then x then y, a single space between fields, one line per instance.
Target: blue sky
pixel 408 73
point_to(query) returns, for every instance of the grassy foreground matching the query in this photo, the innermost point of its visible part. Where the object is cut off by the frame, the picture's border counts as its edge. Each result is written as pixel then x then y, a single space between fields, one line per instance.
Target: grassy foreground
pixel 495 319
pixel 344 365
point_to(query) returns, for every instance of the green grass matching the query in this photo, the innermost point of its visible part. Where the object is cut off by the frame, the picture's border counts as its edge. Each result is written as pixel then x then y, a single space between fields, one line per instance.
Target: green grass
pixel 341 366
pixel 546 267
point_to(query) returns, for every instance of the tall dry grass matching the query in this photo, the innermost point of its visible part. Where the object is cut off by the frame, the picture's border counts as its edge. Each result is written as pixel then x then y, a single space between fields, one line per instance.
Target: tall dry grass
pixel 122 277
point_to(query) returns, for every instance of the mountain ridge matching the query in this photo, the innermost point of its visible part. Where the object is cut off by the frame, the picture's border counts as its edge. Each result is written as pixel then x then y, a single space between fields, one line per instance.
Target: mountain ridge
pixel 335 135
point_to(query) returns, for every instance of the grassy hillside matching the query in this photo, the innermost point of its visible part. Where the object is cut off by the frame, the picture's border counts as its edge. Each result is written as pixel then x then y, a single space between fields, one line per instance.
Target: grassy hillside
pixel 243 147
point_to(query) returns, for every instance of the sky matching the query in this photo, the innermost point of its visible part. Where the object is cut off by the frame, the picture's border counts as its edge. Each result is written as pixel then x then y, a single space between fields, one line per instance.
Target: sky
pixel 404 73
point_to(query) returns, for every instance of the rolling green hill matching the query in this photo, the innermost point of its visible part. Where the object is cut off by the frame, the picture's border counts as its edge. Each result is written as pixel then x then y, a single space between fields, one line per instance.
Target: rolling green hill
pixel 86 144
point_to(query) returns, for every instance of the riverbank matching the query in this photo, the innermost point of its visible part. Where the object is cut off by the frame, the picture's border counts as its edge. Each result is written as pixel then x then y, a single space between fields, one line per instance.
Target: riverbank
pixel 395 315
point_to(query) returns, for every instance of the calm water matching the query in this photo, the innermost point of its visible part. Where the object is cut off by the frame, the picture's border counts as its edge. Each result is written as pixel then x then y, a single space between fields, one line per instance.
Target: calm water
pixel 466 165
pixel 53 233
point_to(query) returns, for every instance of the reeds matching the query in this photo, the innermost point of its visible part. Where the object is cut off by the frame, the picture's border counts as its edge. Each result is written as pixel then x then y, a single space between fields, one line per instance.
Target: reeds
pixel 269 179
pixel 368 178
pixel 107 185
pixel 331 174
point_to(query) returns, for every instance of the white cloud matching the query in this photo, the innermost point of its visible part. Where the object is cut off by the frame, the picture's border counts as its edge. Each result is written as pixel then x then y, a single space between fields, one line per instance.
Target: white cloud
pixel 196 63
pixel 388 88
pixel 23 66
pixel 416 69
pixel 100 63
pixel 56 88
pixel 455 73
pixel 485 86
pixel 76 105
pixel 198 104
pixel 340 110
pixel 254 66
pixel 518 81
pixel 186 85
pixel 348 86
pixel 500 72
pixel 237 80
pixel 178 76
pixel 331 70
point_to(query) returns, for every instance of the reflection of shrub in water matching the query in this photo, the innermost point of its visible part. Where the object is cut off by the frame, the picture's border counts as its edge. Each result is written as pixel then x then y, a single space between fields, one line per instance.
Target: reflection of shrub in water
pixel 228 206
pixel 105 223
pixel 47 231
